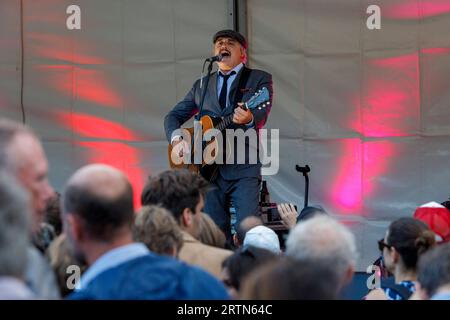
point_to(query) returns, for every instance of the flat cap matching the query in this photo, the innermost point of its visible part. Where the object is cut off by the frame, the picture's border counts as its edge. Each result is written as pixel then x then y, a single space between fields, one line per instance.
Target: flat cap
pixel 231 34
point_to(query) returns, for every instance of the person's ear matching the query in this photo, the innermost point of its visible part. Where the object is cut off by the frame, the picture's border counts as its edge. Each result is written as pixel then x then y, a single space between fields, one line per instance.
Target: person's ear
pixel 186 218
pixel 236 241
pixel 74 227
pixel 173 252
pixel 420 294
pixel 349 275
pixel 395 256
pixel 243 54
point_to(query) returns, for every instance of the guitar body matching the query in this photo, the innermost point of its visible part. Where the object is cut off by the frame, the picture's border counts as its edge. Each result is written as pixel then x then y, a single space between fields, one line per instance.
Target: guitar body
pixel 207 169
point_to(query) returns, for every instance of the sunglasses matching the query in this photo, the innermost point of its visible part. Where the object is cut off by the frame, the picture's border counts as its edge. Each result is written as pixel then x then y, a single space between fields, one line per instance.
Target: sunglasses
pixel 382 245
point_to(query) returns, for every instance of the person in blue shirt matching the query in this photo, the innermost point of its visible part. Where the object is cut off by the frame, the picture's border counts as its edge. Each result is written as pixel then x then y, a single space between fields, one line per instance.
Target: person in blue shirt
pixel 98 215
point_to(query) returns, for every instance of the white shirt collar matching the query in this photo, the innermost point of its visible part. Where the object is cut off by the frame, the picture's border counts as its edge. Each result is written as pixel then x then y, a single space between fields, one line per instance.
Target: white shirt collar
pixel 112 259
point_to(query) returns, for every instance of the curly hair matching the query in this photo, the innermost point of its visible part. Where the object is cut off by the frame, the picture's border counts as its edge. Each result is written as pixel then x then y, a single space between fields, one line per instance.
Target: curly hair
pixel 157 229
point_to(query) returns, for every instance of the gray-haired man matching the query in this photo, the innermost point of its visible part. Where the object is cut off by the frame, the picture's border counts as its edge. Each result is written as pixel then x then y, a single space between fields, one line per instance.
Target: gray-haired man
pixel 22 156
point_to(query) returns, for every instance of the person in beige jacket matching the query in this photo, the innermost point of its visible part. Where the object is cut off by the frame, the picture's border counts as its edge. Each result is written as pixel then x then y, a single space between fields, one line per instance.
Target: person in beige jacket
pixel 182 193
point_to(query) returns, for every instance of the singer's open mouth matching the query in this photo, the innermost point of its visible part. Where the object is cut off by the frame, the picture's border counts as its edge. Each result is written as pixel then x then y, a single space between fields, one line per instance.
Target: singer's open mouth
pixel 225 54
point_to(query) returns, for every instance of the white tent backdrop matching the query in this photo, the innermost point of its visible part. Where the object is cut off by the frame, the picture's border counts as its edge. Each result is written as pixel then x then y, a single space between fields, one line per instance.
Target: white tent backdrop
pixel 368 110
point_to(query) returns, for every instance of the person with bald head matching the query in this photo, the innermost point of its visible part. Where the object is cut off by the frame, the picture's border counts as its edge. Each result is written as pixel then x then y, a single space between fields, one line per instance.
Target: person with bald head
pixel 98 214
pixel 98 199
pixel 23 157
pixel 243 227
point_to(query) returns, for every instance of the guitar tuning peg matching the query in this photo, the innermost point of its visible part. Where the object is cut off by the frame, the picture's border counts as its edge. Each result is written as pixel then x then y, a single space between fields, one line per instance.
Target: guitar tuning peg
pixel 268 102
pixel 259 108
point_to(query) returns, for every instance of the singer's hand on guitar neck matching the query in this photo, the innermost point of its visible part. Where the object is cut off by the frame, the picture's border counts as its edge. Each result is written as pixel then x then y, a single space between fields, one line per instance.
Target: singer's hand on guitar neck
pixel 180 147
pixel 242 116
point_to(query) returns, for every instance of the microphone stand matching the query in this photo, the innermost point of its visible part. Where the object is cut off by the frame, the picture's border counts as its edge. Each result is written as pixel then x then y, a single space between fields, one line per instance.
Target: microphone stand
pixel 202 99
pixel 304 170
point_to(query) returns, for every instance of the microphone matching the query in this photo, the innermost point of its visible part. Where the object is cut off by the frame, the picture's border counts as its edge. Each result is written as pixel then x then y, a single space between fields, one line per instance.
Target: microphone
pixel 217 58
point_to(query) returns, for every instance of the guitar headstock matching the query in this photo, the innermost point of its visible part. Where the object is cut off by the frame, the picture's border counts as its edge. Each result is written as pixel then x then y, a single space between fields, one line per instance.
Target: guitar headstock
pixel 261 99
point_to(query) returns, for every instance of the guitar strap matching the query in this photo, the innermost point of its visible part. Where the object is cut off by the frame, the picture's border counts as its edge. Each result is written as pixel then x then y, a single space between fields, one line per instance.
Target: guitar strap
pixel 242 85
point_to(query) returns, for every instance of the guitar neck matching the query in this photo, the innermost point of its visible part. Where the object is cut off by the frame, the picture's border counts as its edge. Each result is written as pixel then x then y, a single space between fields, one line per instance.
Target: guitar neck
pixel 222 125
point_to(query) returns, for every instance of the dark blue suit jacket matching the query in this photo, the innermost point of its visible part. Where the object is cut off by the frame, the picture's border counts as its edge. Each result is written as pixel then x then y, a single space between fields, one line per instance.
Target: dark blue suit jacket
pixel 189 106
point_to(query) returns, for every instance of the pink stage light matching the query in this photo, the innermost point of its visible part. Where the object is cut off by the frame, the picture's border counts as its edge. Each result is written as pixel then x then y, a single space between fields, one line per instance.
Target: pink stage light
pixel 54 47
pixel 91 85
pixel 114 153
pixel 84 85
pixel 121 156
pixel 393 99
pixel 436 51
pixel 412 10
pixel 346 191
pixel 377 156
pixel 391 103
pixel 90 126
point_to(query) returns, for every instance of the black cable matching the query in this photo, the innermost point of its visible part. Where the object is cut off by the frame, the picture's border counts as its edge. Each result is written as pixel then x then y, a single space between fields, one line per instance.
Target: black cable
pixel 236 15
pixel 21 62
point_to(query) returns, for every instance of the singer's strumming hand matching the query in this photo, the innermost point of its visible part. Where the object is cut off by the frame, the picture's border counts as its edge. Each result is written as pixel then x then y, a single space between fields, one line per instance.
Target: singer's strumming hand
pixel 181 147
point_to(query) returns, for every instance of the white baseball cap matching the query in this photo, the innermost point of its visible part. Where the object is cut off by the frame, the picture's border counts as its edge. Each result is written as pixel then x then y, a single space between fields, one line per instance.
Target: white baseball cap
pixel 263 237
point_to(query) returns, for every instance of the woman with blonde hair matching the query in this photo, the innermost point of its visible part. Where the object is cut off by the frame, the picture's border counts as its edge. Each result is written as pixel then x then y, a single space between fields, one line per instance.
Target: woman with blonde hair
pixel 157 229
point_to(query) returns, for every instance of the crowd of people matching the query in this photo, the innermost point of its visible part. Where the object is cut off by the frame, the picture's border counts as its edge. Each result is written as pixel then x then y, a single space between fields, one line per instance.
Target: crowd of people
pixel 89 242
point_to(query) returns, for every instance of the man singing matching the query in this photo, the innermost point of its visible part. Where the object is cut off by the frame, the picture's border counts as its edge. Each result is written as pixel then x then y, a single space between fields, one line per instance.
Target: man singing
pixel 231 84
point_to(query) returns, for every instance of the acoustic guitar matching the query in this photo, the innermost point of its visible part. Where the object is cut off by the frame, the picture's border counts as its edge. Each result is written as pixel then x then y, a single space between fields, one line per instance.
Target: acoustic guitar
pixel 208 168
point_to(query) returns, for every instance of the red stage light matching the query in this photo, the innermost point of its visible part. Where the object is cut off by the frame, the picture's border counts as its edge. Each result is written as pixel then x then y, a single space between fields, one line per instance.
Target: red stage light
pixel 413 10
pixel 94 127
pixel 346 191
pixel 121 156
pixel 117 154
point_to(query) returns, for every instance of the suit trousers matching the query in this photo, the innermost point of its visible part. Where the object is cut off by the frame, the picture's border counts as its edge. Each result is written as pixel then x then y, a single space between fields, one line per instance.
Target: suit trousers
pixel 242 193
